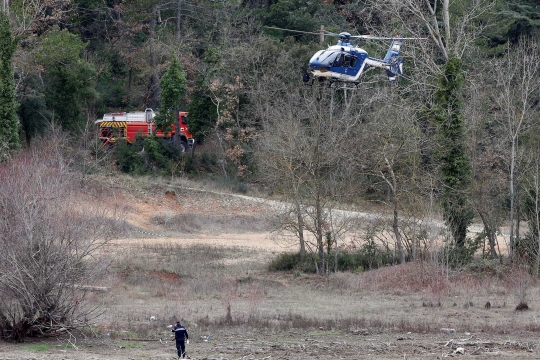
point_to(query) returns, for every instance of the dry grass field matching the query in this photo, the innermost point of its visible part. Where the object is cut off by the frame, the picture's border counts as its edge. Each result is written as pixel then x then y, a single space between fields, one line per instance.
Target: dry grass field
pixel 201 257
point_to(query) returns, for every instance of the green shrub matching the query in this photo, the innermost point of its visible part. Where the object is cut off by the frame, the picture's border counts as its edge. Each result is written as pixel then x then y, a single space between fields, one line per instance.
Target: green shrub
pixel 127 158
pixel 149 155
pixel 291 261
pixel 368 257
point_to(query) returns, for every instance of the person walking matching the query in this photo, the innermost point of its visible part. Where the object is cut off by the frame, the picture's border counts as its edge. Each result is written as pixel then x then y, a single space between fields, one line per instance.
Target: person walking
pixel 181 336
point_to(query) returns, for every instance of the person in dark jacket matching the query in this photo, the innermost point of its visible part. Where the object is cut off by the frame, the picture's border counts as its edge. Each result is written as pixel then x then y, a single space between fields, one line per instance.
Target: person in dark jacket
pixel 180 335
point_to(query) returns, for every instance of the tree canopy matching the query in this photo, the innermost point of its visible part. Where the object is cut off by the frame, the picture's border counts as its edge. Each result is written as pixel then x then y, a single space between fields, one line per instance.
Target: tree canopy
pixel 71 62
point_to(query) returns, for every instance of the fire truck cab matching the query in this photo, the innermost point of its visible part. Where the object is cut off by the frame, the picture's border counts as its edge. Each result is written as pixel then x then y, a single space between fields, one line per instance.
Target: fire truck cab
pixel 129 125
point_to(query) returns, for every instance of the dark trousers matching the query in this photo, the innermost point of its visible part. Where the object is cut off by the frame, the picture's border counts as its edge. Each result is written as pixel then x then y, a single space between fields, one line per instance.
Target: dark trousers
pixel 181 347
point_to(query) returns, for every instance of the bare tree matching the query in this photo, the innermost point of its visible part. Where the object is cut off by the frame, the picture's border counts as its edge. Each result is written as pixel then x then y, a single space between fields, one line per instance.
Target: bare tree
pixel 307 155
pixel 452 28
pixel 489 185
pixel 49 243
pixel 532 204
pixel 516 94
pixel 394 141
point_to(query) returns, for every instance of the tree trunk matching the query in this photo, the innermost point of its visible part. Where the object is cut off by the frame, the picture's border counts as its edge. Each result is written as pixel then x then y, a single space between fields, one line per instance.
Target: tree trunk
pixel 177 134
pixel 222 161
pixel 490 234
pixel 392 183
pixel 178 21
pixel 154 80
pixel 512 201
pixel 192 152
pixel 395 227
pixel 300 231
pixel 446 20
pixel 537 220
pixel 320 240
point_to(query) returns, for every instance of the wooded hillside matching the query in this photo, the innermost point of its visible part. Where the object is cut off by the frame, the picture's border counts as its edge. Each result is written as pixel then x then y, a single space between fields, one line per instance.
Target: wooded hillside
pixel 456 136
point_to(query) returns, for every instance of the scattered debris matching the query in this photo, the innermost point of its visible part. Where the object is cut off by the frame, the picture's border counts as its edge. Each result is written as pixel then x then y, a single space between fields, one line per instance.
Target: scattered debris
pixel 91 288
pixel 404 338
pixel 477 350
pixel 468 343
pixel 460 351
pixel 360 332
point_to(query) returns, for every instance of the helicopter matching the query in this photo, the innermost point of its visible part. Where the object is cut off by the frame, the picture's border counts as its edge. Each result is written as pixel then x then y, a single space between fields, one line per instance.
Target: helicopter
pixel 345 63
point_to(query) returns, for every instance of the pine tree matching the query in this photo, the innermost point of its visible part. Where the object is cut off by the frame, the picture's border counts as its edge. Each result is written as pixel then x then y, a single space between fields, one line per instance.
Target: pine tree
pixel 173 91
pixel 9 135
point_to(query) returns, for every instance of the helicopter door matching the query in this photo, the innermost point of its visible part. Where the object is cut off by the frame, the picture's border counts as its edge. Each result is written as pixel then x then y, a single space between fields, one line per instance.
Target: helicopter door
pixel 349 60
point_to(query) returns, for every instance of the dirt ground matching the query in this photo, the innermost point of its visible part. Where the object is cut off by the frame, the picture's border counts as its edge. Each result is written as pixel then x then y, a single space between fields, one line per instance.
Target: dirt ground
pixel 391 323
pixel 319 344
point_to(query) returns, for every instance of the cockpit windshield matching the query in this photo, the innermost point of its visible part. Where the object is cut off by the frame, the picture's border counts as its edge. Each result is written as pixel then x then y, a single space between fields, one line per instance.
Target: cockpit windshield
pixel 324 58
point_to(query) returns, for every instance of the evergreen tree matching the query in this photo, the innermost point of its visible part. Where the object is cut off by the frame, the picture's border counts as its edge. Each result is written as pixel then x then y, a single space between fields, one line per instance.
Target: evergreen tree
pixel 455 164
pixel 202 112
pixel 69 79
pixel 293 14
pixel 173 91
pixel 9 136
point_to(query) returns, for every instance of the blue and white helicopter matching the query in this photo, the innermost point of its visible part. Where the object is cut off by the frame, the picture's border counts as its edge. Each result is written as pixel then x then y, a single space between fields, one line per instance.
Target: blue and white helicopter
pixel 345 63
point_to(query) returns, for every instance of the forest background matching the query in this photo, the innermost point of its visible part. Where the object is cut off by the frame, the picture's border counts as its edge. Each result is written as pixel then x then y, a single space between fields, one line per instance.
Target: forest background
pixel 455 138
pixel 456 135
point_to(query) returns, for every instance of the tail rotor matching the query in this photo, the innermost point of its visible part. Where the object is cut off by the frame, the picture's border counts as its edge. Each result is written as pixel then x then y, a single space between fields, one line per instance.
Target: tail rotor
pixel 393 60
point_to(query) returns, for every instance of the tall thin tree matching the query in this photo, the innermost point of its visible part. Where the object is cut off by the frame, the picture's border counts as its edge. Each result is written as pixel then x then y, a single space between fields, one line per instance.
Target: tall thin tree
pixel 9 135
pixel 455 163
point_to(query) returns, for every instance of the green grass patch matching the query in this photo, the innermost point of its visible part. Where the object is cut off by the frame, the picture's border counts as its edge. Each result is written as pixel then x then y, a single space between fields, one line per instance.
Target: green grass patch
pixel 131 345
pixel 322 333
pixel 36 347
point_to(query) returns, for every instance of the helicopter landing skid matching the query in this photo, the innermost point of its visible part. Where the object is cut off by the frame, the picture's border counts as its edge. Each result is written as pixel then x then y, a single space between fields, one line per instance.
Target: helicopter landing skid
pixel 339 85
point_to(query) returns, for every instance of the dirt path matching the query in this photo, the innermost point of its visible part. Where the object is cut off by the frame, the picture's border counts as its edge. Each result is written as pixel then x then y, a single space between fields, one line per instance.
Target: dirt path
pixel 254 241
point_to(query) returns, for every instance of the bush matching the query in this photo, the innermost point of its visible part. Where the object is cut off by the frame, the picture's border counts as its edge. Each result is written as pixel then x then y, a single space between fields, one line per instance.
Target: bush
pixel 127 158
pixel 368 257
pixel 149 155
pixel 291 261
pixel 49 243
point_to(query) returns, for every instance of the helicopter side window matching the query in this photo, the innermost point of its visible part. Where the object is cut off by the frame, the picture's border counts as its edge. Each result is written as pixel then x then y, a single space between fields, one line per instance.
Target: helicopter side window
pixel 349 60
pixel 338 61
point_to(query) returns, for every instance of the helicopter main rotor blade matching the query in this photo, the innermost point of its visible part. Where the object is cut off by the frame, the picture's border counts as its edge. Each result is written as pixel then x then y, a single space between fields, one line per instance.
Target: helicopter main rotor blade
pixel 326 33
pixel 371 37
pixel 296 31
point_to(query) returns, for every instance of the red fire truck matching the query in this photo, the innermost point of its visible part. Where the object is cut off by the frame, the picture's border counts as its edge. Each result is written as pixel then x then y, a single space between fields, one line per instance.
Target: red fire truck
pixel 129 125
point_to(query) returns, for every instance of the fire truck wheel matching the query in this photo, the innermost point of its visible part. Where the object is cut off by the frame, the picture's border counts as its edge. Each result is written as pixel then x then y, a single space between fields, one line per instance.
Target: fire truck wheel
pixel 183 146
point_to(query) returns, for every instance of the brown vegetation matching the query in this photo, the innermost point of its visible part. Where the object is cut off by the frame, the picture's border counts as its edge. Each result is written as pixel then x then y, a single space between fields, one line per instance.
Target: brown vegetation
pixel 225 292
